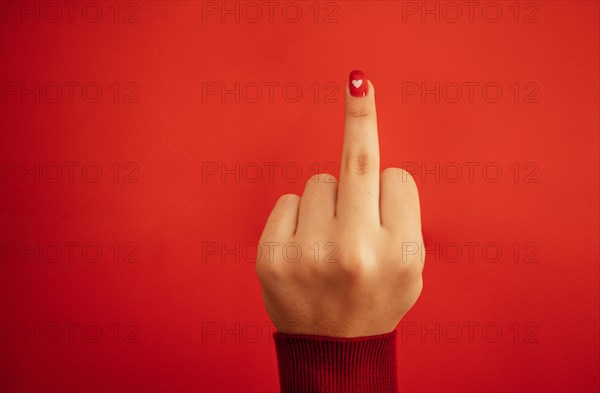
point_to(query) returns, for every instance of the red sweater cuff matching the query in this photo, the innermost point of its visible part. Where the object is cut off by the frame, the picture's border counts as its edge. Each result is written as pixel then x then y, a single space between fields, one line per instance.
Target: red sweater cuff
pixel 335 365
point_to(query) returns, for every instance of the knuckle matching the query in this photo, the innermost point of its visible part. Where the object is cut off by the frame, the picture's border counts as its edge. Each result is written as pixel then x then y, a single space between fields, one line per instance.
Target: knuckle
pixel 352 269
pixel 359 163
pixel 411 257
pixel 360 113
pixel 355 263
pixel 321 178
pixel 267 272
pixel 399 175
pixel 288 199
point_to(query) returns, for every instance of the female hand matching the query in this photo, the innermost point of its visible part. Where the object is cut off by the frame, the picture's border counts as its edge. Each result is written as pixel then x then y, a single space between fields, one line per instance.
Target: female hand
pixel 346 258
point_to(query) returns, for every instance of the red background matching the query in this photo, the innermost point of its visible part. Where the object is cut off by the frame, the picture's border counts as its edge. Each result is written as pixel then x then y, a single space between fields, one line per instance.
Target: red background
pixel 176 311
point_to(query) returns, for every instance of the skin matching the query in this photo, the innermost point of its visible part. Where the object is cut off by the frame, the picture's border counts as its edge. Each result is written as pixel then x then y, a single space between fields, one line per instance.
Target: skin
pixel 346 258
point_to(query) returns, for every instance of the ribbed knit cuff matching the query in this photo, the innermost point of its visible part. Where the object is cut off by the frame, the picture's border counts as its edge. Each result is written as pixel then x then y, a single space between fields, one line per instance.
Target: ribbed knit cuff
pixel 322 364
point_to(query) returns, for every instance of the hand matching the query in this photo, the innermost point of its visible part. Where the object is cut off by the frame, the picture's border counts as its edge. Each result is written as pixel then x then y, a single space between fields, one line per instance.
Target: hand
pixel 345 259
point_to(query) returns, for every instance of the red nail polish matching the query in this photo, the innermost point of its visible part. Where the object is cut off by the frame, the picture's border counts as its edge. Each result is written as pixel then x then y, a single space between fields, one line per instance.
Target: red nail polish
pixel 358 84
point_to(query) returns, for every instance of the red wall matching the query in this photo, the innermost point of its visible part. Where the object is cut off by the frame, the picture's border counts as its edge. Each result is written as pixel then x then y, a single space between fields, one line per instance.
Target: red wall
pixel 128 218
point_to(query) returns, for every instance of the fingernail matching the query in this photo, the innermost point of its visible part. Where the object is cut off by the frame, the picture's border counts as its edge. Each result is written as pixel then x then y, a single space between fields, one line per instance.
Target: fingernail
pixel 358 84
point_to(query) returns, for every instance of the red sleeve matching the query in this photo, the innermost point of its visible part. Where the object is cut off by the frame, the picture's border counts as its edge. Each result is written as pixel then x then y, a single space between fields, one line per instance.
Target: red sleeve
pixel 334 365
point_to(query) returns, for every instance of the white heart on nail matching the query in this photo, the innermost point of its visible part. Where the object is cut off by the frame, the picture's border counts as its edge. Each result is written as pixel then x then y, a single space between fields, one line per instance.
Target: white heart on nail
pixel 357 83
